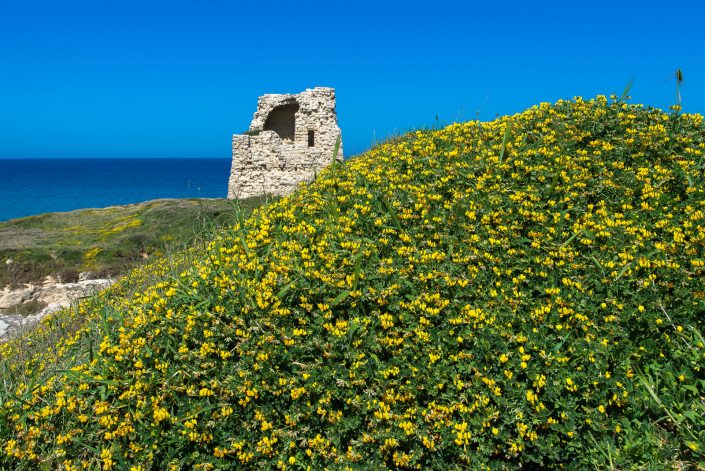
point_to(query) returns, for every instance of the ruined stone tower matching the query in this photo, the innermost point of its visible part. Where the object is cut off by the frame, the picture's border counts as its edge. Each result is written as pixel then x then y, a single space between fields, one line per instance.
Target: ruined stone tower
pixel 290 140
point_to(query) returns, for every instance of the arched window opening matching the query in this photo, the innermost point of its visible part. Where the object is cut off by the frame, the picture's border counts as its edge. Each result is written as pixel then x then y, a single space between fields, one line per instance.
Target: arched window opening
pixel 282 120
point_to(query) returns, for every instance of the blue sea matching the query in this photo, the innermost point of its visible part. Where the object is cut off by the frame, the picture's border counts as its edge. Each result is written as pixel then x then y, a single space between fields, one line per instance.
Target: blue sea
pixel 34 186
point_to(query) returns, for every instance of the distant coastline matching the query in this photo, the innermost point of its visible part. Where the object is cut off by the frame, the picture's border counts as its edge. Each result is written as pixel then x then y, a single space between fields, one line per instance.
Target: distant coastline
pixel 34 186
pixel 47 261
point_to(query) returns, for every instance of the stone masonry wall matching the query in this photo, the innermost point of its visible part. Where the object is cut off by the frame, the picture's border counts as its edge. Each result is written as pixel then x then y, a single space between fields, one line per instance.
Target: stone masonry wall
pixel 266 163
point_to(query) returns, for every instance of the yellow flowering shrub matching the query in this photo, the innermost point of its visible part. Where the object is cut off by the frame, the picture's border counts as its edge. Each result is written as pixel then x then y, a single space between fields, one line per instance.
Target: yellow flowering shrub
pixel 523 292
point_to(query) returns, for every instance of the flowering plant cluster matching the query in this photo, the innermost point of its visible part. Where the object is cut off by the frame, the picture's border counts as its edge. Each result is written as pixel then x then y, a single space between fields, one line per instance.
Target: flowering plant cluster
pixel 524 292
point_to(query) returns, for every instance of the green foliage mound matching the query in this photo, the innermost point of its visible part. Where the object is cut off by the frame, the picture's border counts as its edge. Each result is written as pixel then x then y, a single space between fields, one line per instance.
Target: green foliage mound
pixel 525 292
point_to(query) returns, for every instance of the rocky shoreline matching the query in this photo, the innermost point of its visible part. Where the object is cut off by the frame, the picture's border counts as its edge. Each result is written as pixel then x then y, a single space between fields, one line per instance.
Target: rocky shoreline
pixel 50 296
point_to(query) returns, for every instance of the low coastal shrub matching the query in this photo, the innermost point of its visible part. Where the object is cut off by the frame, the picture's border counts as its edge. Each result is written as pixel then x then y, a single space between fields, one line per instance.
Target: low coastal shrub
pixel 521 293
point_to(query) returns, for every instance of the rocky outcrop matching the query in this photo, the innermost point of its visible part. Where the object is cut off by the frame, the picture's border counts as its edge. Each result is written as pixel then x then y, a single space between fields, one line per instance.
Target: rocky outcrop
pixel 50 297
pixel 10 298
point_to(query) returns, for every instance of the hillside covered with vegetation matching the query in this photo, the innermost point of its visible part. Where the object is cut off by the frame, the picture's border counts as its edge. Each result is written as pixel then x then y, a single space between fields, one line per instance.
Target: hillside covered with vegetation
pixel 104 241
pixel 524 292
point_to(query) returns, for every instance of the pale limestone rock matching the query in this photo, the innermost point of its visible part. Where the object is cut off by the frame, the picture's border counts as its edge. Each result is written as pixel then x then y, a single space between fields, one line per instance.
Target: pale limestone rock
pixel 55 296
pixel 50 279
pixel 66 293
pixel 12 297
pixel 290 140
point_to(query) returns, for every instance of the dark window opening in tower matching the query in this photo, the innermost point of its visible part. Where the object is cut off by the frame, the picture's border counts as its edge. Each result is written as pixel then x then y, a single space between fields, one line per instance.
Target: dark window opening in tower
pixel 282 120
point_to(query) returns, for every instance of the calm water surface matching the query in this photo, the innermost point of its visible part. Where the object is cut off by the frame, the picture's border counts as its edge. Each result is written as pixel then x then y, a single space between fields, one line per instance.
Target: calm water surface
pixel 34 186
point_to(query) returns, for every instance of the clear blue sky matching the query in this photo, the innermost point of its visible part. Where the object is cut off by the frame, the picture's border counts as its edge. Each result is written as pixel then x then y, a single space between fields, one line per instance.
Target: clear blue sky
pixel 177 79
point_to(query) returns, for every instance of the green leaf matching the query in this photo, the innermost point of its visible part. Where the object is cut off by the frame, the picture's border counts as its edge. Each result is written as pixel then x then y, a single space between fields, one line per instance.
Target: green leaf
pixel 692 415
pixel 285 289
pixel 336 149
pixel 507 129
pixel 338 299
pixel 623 271
pixel 570 239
